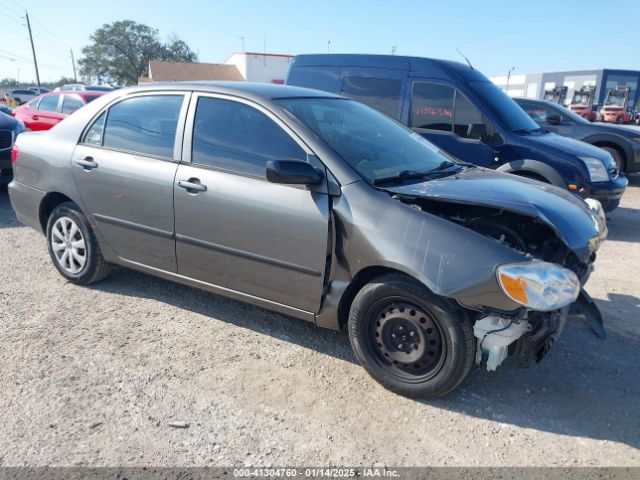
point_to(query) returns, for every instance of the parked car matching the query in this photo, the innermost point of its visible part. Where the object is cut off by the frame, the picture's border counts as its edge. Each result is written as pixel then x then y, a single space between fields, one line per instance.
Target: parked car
pixel 10 128
pixel 41 90
pixel 461 111
pixel 80 87
pixel 318 207
pixel 45 111
pixel 6 110
pixel 621 142
pixel 20 96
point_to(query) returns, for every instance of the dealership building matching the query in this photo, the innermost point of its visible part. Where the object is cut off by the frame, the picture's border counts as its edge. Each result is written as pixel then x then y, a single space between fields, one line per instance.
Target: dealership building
pixel 534 85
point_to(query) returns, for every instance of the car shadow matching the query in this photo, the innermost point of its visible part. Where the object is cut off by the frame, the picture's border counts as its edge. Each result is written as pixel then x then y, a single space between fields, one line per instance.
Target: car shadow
pixel 624 224
pixel 585 388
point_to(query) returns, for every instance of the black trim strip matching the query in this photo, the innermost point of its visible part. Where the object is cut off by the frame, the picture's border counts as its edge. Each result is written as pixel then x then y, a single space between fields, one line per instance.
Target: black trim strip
pixel 134 226
pixel 248 255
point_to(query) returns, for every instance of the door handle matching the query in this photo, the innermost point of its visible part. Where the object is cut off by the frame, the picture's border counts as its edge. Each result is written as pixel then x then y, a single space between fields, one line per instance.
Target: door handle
pixel 192 185
pixel 35 117
pixel 87 163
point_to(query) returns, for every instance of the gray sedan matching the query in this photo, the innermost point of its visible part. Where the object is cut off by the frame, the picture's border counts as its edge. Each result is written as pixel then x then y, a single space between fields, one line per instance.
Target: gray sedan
pixel 318 207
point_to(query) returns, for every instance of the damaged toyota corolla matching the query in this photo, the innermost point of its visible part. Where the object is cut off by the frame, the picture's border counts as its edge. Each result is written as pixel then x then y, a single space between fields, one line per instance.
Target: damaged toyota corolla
pixel 318 207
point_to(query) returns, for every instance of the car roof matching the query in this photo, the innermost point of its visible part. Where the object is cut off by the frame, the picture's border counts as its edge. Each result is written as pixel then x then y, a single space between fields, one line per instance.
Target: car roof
pixel 415 65
pixel 246 89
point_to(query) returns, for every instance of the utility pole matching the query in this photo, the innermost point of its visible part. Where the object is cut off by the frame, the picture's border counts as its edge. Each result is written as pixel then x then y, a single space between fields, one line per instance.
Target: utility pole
pixel 328 46
pixel 73 62
pixel 242 38
pixel 509 78
pixel 33 49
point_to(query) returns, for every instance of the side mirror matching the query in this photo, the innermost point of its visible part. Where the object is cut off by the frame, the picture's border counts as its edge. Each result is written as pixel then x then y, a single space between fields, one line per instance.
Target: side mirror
pixel 293 172
pixel 477 130
pixel 554 119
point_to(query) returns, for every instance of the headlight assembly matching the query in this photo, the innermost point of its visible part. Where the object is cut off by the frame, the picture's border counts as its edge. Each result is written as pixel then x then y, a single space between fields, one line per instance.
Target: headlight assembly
pixel 597 170
pixel 539 285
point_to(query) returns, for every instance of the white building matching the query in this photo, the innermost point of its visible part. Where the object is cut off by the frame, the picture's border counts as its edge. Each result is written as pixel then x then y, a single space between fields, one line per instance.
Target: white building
pixel 261 67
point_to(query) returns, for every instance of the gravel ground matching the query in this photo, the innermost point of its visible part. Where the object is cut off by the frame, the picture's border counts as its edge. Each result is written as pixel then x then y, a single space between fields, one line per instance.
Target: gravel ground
pixel 95 376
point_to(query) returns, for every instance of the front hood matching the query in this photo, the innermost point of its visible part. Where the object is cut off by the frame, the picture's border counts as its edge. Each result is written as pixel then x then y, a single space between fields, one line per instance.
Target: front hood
pixel 567 215
pixel 562 145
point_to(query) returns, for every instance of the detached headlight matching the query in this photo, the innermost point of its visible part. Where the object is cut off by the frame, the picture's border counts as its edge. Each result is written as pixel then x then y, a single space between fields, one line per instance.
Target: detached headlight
pixel 539 285
pixel 597 170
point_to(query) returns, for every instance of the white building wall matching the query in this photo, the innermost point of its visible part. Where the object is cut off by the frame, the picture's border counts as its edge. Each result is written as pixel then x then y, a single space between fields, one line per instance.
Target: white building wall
pixel 260 67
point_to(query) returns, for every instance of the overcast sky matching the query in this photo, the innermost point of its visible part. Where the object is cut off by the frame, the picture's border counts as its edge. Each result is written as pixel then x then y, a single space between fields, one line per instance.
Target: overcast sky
pixel 532 36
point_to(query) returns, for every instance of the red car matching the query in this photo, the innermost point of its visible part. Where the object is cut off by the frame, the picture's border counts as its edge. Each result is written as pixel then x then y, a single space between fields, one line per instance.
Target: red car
pixel 47 110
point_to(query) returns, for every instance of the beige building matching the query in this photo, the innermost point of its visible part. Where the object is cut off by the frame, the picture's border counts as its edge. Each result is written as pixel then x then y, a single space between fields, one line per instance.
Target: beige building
pixel 178 72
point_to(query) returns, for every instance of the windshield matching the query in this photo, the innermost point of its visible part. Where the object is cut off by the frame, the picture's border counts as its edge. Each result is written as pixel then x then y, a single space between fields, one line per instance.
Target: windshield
pixel 615 100
pixel 581 99
pixel 513 117
pixel 376 146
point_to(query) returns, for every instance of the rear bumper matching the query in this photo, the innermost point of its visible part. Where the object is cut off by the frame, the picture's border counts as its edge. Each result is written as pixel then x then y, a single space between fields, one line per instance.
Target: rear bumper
pixel 26 202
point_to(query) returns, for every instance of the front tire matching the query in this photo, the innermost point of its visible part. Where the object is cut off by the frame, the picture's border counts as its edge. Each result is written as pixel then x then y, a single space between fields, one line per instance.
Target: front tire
pixel 410 340
pixel 617 157
pixel 73 247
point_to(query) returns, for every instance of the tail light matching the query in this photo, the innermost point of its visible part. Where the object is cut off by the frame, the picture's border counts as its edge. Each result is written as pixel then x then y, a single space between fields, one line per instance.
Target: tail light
pixel 15 151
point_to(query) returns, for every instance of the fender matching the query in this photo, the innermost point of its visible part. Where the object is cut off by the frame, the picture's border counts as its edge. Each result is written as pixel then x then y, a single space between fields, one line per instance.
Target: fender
pixel 534 166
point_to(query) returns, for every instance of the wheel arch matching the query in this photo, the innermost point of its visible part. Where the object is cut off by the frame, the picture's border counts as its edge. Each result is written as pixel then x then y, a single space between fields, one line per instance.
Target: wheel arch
pixel 534 167
pixel 50 201
pixel 362 278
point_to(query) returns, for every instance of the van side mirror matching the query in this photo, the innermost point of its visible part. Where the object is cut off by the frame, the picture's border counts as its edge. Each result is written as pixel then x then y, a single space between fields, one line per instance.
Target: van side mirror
pixel 293 172
pixel 553 119
pixel 477 130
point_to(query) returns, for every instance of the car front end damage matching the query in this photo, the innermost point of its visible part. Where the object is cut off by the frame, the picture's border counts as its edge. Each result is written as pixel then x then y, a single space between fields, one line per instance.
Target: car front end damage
pixel 556 236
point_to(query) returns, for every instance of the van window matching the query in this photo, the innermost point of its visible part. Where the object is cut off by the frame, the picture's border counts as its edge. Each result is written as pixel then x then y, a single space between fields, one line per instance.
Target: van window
pixel 236 137
pixel 464 115
pixel 432 107
pixel 144 125
pixel 383 94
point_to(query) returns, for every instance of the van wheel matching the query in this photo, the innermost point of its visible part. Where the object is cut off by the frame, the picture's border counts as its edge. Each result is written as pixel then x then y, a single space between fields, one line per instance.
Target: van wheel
pixel 73 247
pixel 410 340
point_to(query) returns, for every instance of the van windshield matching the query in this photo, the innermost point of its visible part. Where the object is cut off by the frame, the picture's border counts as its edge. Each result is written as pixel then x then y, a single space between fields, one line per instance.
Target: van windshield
pixel 513 117
pixel 377 147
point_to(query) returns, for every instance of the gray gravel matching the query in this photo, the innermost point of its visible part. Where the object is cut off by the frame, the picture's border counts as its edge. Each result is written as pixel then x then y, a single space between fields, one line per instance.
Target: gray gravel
pixel 138 371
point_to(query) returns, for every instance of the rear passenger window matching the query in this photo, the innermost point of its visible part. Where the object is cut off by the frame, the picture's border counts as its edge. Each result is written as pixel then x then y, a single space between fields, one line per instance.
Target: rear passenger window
pixel 71 104
pixel 432 107
pixel 379 93
pixel 49 103
pixel 233 136
pixel 145 125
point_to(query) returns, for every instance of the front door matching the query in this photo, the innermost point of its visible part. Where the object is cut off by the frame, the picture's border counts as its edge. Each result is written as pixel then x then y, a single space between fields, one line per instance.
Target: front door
pixel 447 118
pixel 235 229
pixel 124 169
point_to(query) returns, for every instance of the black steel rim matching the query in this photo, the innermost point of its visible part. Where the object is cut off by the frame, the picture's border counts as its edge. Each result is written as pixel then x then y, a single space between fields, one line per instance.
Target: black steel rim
pixel 406 340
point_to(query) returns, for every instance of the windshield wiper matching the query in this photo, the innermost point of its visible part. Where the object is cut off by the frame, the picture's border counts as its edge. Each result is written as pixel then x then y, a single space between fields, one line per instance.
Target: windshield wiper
pixel 413 175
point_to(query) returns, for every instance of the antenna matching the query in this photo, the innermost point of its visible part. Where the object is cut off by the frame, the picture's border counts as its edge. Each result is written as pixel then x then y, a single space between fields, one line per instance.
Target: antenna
pixel 462 55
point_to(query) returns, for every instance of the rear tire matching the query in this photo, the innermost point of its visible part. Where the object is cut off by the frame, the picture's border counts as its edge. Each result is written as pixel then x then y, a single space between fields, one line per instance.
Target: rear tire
pixel 410 340
pixel 73 247
pixel 609 205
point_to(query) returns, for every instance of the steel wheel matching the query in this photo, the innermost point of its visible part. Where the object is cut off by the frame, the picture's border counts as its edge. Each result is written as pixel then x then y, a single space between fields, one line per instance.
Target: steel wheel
pixel 407 341
pixel 68 245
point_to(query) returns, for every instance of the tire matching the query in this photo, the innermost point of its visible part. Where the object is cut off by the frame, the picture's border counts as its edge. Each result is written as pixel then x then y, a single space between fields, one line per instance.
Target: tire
pixel 617 157
pixel 427 358
pixel 619 120
pixel 610 205
pixel 84 263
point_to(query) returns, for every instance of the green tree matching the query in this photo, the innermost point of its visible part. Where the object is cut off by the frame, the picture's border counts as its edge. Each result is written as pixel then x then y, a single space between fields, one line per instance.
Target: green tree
pixel 120 52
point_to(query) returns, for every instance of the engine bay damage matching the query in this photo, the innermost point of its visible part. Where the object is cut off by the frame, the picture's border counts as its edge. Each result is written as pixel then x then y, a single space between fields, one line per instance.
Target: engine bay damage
pixel 526 335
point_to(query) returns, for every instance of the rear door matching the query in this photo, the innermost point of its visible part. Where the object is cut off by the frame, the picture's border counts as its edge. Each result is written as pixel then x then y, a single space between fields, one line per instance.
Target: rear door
pixel 446 117
pixel 234 228
pixel 124 169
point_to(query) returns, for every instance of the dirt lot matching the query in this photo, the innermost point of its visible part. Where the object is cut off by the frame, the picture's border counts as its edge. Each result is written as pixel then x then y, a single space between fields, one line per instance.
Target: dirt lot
pixel 94 376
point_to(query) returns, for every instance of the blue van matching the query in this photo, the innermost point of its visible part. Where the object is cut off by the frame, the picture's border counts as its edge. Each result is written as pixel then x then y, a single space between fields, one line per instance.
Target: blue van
pixel 461 111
